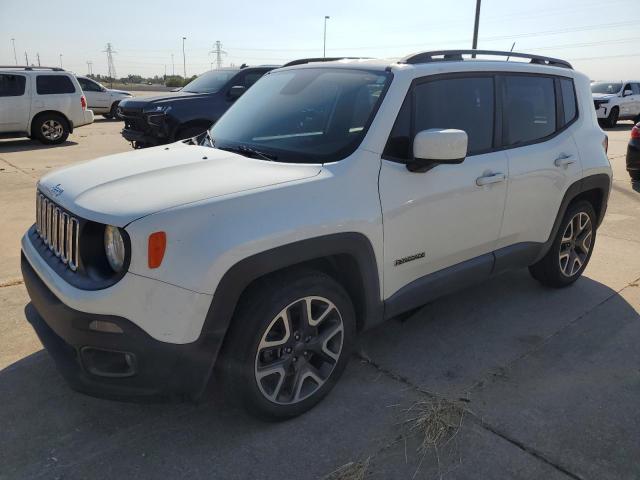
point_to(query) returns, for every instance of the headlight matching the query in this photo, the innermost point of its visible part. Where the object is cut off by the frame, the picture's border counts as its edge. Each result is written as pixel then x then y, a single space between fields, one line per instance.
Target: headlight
pixel 114 247
pixel 157 109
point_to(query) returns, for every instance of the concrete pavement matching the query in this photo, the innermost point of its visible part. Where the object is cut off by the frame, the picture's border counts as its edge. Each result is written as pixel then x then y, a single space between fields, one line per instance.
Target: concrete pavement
pixel 545 382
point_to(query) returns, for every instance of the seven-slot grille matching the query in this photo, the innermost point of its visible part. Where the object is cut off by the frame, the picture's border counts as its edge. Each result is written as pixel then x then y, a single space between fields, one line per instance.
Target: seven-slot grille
pixel 58 230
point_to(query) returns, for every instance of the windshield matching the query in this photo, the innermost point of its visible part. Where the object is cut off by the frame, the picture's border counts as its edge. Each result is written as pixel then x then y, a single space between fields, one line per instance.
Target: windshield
pixel 604 87
pixel 310 115
pixel 210 82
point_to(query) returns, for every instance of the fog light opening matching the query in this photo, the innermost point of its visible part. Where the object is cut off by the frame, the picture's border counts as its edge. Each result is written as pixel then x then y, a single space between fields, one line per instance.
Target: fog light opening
pixel 108 363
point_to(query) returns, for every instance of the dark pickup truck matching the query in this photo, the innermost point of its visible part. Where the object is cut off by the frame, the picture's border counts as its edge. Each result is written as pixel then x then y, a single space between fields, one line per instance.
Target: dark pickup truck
pixel 164 119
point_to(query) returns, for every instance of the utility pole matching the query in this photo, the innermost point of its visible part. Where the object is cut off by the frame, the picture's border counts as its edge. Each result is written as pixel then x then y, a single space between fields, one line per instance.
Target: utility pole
pixel 15 57
pixel 89 65
pixel 60 60
pixel 217 49
pixel 38 55
pixel 475 28
pixel 173 67
pixel 111 68
pixel 184 59
pixel 26 58
pixel 324 45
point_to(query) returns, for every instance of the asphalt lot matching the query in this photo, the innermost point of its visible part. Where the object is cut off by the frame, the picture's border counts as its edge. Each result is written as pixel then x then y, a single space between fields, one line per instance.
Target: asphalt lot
pixel 522 381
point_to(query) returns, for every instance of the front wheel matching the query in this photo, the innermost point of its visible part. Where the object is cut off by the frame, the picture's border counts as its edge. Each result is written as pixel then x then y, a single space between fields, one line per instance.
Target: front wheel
pixel 612 119
pixel 289 343
pixel 571 249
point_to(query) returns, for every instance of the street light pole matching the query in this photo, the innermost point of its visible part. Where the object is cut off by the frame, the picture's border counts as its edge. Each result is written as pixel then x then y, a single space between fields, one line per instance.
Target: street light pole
pixel 60 60
pixel 15 57
pixel 324 47
pixel 475 28
pixel 184 59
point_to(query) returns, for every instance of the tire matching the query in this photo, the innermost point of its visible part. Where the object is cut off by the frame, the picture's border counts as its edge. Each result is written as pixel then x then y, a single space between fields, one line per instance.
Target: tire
pixel 114 111
pixel 50 128
pixel 635 175
pixel 108 116
pixel 279 369
pixel 612 119
pixel 571 249
pixel 189 132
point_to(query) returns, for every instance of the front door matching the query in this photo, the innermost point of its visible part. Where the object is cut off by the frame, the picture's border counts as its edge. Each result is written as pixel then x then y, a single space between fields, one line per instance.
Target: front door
pixel 451 213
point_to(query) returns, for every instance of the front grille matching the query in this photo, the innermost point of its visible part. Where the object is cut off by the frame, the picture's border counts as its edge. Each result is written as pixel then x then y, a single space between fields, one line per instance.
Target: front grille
pixel 58 230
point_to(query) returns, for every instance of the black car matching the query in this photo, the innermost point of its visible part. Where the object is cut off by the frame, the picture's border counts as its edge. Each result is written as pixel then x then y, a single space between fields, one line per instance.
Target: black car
pixel 633 153
pixel 190 111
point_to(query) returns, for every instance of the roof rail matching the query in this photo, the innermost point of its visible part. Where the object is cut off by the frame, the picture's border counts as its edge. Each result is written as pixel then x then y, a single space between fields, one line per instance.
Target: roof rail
pixel 456 55
pixel 302 61
pixel 33 67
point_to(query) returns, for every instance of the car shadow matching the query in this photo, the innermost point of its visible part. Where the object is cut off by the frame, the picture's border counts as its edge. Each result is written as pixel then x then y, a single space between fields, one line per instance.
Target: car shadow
pixel 447 346
pixel 26 144
pixel 622 126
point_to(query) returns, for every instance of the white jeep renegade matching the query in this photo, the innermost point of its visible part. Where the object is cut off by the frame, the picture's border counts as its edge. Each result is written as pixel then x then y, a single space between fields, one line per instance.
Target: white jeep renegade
pixel 330 197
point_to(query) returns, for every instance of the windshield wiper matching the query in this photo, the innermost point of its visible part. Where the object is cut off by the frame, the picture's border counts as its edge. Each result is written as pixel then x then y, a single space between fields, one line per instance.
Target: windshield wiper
pixel 207 135
pixel 250 152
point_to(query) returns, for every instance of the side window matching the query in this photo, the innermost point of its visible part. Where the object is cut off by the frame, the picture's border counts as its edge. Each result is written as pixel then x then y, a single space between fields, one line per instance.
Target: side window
pixel 529 109
pixel 626 87
pixel 251 78
pixel 461 103
pixel 88 85
pixel 568 100
pixel 53 84
pixel 636 88
pixel 12 85
pixel 399 141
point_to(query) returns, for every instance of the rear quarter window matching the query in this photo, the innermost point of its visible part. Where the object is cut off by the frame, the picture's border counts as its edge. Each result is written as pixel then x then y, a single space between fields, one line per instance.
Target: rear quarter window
pixel 568 100
pixel 12 85
pixel 54 84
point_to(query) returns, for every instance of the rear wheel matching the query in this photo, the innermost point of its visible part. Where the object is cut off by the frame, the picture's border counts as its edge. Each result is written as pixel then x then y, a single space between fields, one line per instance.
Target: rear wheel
pixel 571 249
pixel 290 341
pixel 612 119
pixel 50 128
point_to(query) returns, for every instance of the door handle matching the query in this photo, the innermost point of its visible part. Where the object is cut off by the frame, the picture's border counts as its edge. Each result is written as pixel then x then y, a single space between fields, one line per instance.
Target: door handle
pixel 564 160
pixel 489 179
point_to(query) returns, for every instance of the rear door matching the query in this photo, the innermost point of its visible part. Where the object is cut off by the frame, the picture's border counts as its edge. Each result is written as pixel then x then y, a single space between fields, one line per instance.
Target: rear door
pixel 15 103
pixel 539 114
pixel 636 96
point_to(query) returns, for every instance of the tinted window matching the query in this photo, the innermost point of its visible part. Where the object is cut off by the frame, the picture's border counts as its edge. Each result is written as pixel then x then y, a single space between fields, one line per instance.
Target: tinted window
pixel 251 78
pixel 210 82
pixel 11 85
pixel 461 103
pixel 605 87
pixel 52 84
pixel 88 85
pixel 529 109
pixel 636 88
pixel 568 99
pixel 400 137
pixel 626 87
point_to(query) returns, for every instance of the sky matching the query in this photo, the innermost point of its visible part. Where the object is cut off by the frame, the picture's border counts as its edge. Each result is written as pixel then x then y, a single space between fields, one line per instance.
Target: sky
pixel 600 38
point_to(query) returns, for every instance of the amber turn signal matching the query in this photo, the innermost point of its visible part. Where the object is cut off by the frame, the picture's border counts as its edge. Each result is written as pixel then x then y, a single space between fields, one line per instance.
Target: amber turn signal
pixel 157 246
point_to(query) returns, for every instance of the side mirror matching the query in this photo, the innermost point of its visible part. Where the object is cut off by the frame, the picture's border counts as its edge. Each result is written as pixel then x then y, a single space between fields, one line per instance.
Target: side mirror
pixel 434 146
pixel 627 93
pixel 236 91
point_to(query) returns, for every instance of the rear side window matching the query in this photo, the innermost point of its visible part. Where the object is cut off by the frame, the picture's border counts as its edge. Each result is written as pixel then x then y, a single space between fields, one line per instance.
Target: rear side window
pixel 568 100
pixel 11 85
pixel 53 84
pixel 529 109
pixel 636 88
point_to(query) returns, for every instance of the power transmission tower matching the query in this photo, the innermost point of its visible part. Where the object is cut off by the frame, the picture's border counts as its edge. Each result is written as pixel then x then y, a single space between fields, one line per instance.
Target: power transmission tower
pixel 38 55
pixel 217 49
pixel 110 66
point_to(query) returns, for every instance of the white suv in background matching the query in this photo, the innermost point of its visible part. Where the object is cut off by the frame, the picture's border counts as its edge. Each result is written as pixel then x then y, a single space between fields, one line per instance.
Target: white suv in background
pixel 330 197
pixel 102 100
pixel 616 101
pixel 42 103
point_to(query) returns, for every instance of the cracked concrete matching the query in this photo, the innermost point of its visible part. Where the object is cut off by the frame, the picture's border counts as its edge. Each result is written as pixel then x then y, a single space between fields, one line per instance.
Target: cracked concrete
pixel 549 379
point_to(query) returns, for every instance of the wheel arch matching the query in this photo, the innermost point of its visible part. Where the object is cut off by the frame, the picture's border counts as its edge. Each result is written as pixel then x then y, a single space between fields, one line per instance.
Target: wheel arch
pixel 56 112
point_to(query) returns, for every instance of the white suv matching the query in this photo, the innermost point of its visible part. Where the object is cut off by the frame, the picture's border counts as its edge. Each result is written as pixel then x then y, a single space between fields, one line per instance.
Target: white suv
pixel 616 101
pixel 330 197
pixel 42 103
pixel 102 100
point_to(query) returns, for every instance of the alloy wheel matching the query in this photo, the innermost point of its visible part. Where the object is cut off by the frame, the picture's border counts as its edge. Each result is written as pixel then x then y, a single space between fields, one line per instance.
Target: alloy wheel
pixel 575 244
pixel 299 350
pixel 52 130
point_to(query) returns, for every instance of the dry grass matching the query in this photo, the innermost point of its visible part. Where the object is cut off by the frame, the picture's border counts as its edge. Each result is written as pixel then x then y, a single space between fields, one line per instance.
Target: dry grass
pixel 350 471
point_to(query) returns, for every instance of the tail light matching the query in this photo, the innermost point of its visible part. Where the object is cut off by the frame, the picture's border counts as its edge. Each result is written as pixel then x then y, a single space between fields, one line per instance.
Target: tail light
pixel 635 132
pixel 83 102
pixel 605 144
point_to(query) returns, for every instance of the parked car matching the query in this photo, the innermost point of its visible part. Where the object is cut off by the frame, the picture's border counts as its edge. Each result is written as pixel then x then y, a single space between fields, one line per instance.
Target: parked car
pixel 194 108
pixel 42 103
pixel 102 100
pixel 330 197
pixel 633 153
pixel 616 101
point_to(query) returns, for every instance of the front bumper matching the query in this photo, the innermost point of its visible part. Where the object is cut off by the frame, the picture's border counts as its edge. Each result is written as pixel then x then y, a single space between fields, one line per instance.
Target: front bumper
pixel 603 111
pixel 141 137
pixel 123 366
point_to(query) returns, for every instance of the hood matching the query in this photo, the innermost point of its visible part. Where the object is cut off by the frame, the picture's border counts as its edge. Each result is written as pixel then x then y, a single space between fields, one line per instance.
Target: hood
pixel 120 188
pixel 169 98
pixel 118 92
pixel 603 96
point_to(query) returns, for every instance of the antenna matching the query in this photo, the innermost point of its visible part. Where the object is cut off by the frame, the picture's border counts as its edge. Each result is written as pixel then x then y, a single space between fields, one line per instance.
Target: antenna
pixel 217 49
pixel 110 65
